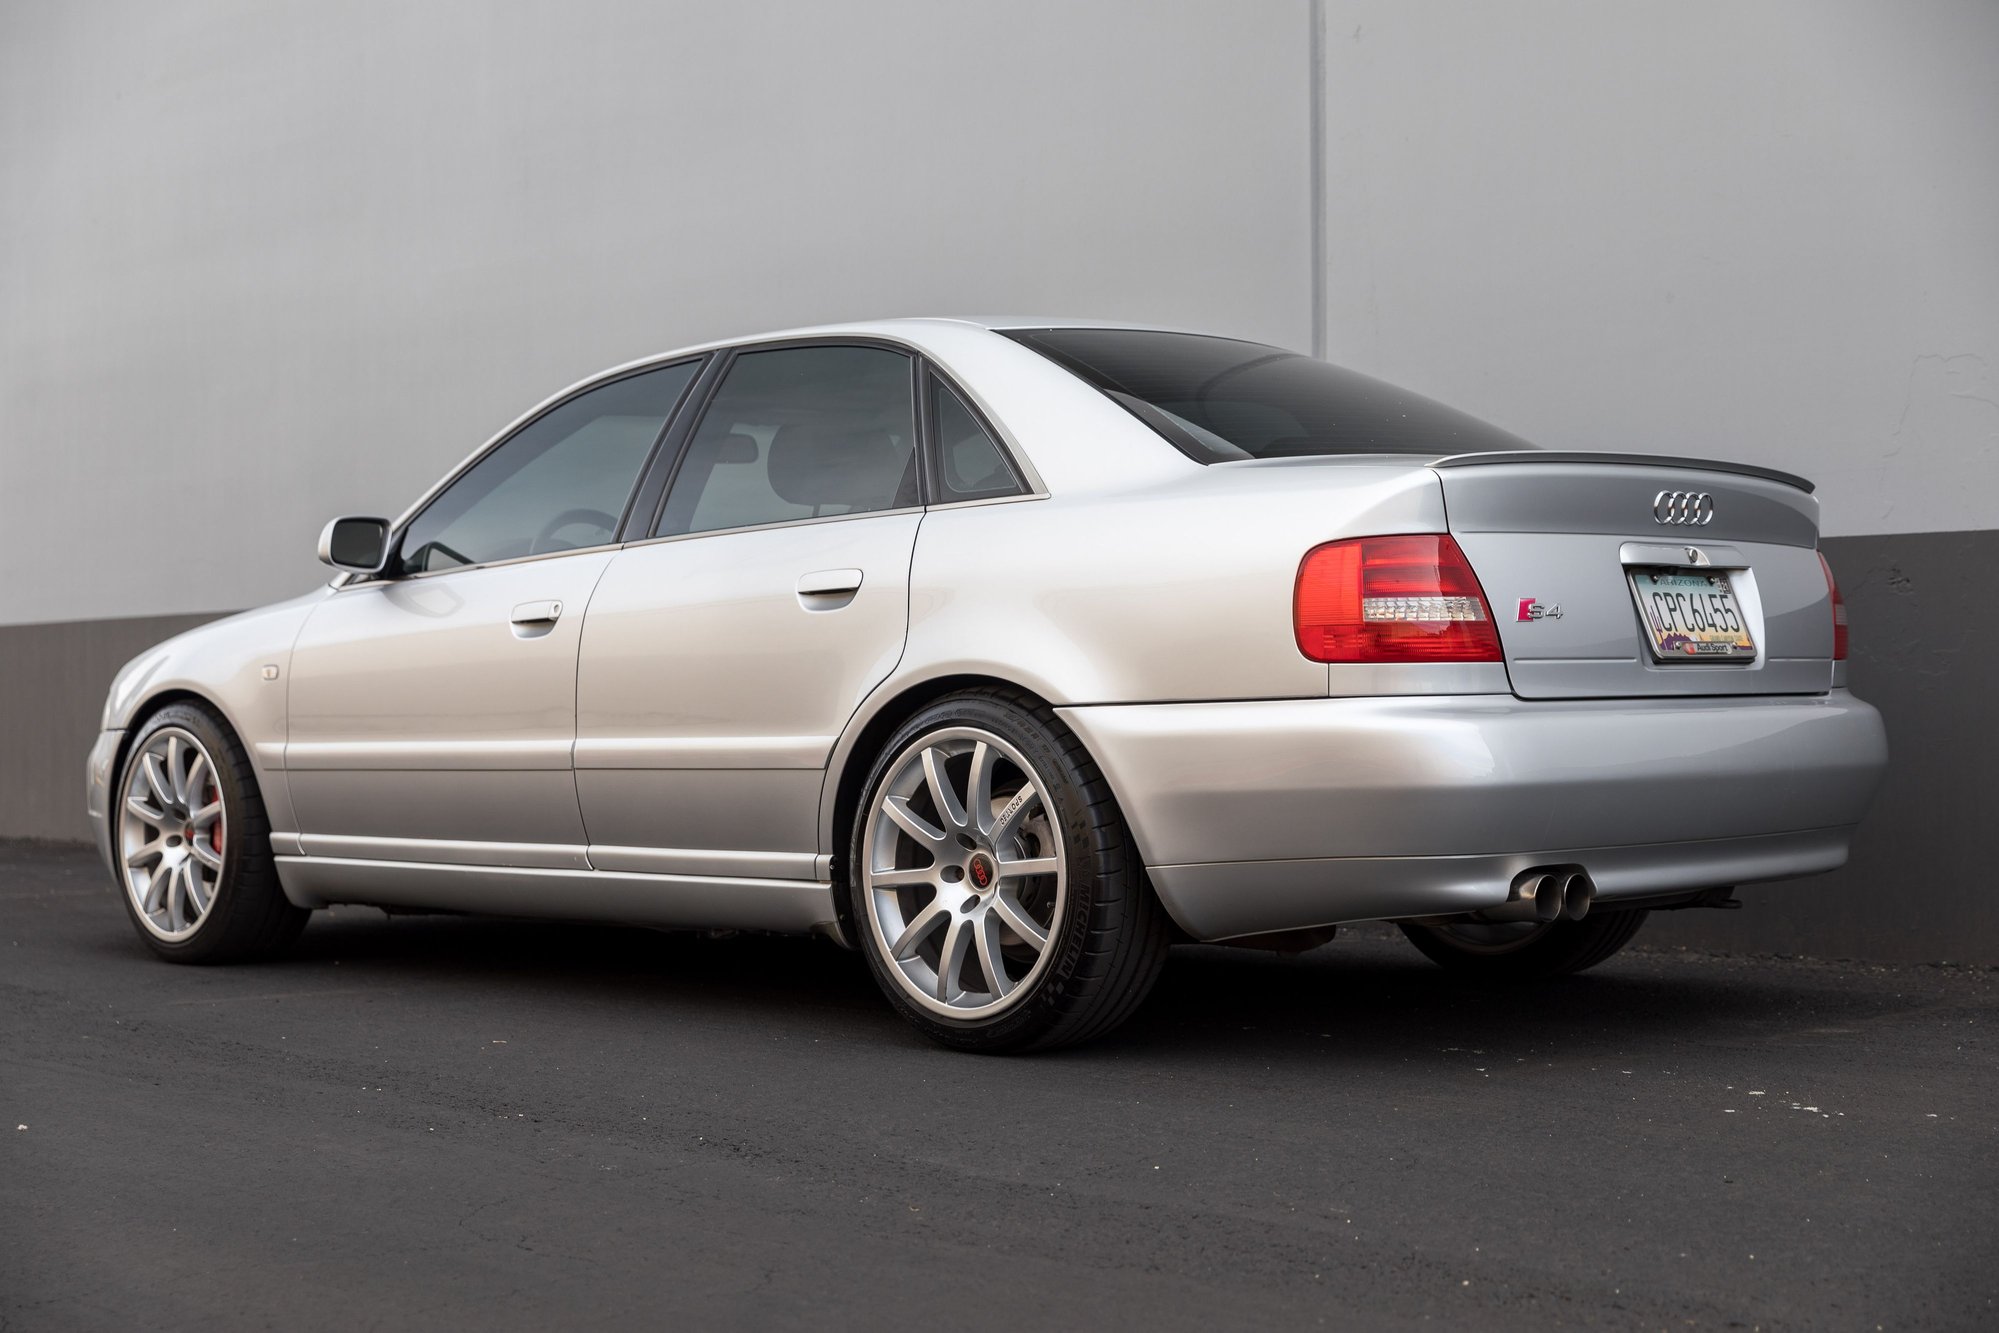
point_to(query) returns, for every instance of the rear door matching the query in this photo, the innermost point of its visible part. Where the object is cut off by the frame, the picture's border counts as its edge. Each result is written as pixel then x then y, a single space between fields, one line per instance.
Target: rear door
pixel 722 658
pixel 1615 579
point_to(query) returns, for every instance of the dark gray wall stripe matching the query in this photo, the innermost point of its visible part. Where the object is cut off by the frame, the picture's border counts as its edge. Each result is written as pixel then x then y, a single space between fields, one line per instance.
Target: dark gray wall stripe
pixel 1920 886
pixel 53 679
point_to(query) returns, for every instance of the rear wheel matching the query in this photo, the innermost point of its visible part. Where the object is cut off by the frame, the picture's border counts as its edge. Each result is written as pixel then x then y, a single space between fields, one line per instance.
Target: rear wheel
pixel 1527 951
pixel 994 884
pixel 193 844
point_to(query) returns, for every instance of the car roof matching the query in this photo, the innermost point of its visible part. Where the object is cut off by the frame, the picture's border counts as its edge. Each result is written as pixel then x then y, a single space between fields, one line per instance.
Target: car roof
pixel 900 328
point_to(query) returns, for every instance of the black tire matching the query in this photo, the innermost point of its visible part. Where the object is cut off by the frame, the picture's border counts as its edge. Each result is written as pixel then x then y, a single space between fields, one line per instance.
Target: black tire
pixel 249 917
pixel 1111 941
pixel 1556 949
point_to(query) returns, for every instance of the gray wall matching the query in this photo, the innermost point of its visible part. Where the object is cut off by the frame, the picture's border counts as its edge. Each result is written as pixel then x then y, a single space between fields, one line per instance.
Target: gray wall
pixel 284 260
pixel 55 678
pixel 1920 886
pixel 265 262
pixel 1757 229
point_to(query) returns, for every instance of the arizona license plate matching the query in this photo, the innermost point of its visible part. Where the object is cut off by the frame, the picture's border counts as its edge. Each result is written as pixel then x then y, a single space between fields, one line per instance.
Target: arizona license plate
pixel 1691 615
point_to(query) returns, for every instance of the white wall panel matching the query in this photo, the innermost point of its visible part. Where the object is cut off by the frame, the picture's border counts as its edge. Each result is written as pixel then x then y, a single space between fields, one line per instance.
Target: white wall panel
pixel 265 262
pixel 1765 230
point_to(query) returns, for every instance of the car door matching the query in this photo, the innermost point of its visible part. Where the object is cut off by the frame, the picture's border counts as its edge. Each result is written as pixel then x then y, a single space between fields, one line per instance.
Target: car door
pixel 722 657
pixel 432 710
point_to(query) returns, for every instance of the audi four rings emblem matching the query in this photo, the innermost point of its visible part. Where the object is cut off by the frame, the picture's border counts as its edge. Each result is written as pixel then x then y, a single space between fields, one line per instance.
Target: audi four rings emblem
pixel 1694 509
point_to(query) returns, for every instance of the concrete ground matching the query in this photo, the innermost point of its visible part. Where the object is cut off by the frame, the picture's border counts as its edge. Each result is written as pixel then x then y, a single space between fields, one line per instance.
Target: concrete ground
pixel 433 1121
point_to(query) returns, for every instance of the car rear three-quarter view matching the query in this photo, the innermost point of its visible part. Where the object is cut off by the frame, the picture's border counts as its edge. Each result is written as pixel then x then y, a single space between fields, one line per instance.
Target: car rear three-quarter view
pixel 1009 653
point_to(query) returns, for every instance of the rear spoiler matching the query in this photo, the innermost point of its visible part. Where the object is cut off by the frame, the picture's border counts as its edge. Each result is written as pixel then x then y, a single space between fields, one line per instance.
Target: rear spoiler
pixel 1645 460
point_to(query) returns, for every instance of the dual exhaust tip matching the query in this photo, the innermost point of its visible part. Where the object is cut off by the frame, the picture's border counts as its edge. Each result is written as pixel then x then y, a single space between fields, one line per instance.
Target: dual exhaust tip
pixel 1552 893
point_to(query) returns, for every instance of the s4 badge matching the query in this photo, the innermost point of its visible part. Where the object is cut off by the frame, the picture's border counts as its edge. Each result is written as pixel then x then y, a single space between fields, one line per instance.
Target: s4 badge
pixel 1533 610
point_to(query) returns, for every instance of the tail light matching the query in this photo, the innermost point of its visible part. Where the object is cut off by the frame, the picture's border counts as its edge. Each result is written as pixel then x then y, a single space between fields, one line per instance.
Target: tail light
pixel 1838 611
pixel 1392 599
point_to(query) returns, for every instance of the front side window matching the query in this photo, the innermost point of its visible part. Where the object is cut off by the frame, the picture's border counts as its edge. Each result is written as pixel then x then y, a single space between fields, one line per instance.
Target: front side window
pixel 560 483
pixel 970 463
pixel 796 433
pixel 1218 400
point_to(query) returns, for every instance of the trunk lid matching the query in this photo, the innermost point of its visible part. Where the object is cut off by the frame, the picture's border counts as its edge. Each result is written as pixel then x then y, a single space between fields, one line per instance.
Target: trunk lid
pixel 1556 539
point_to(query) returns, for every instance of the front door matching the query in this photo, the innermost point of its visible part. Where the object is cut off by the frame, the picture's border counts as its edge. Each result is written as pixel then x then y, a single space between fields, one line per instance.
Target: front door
pixel 723 658
pixel 433 710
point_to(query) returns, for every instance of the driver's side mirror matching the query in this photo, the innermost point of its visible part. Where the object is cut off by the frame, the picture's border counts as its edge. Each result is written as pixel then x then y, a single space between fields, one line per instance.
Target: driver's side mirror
pixel 357 545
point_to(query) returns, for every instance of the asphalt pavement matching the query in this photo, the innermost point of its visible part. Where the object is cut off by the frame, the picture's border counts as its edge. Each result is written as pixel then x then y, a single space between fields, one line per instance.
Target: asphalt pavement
pixel 426 1122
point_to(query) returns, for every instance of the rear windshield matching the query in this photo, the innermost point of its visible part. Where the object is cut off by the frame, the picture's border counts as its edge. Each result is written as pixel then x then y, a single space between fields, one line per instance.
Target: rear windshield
pixel 1218 400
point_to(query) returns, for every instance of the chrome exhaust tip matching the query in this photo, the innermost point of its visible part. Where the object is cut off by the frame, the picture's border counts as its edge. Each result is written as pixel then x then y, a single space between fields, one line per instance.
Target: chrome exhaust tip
pixel 1578 893
pixel 1550 896
pixel 1535 895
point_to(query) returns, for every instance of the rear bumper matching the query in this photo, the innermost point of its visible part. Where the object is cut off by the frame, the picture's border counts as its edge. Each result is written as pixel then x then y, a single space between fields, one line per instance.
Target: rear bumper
pixel 1283 814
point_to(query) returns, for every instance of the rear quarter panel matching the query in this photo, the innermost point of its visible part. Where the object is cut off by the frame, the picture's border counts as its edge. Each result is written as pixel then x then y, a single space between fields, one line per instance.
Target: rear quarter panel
pixel 1173 590
pixel 1179 591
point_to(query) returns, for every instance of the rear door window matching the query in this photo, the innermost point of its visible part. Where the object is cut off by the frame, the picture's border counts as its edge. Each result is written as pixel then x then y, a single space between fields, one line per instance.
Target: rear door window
pixel 798 433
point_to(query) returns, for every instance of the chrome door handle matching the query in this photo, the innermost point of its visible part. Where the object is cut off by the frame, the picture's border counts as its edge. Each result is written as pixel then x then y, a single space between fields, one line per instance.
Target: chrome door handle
pixel 537 613
pixel 830 583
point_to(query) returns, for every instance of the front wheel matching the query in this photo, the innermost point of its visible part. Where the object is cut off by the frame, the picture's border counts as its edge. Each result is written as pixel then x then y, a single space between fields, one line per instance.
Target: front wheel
pixel 1527 950
pixel 994 884
pixel 193 844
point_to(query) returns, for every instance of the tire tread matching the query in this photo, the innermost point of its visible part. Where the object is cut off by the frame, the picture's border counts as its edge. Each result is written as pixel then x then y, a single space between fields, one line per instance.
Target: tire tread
pixel 252 917
pixel 1565 949
pixel 1127 934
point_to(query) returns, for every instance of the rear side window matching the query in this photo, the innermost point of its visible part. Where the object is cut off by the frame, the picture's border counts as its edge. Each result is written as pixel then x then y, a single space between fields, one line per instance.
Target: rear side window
pixel 1218 400
pixel 970 463
pixel 799 432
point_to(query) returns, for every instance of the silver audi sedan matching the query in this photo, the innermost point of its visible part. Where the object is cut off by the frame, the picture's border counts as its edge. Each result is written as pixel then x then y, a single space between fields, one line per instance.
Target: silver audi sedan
pixel 1010 653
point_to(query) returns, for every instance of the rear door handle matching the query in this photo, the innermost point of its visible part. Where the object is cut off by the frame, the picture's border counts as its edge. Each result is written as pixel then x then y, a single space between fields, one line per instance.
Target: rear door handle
pixel 537 613
pixel 830 583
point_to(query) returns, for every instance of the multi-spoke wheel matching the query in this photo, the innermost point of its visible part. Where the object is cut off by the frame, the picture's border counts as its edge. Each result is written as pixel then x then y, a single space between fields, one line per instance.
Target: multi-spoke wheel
pixel 993 882
pixel 193 844
pixel 171 832
pixel 1527 950
pixel 965 879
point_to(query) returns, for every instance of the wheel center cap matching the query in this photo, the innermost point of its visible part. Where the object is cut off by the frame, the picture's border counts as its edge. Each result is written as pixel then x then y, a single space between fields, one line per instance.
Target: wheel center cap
pixel 982 871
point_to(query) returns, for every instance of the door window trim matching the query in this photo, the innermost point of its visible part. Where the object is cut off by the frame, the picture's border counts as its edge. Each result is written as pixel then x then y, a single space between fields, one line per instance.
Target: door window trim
pixel 664 467
pixel 933 458
pixel 697 411
pixel 703 362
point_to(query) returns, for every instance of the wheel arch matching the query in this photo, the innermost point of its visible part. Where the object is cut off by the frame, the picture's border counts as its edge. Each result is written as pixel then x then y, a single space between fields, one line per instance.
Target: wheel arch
pixel 167 695
pixel 142 713
pixel 857 749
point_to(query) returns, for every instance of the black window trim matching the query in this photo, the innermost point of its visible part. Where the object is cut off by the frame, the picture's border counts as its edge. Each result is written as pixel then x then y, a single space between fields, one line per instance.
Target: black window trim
pixel 666 464
pixel 1026 487
pixel 645 505
pixel 392 572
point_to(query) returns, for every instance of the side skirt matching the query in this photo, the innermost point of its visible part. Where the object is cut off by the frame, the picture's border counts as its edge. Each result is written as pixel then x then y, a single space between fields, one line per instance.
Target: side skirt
pixel 691 902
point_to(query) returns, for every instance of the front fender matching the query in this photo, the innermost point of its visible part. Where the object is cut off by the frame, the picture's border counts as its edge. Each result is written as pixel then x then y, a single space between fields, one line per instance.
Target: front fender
pixel 239 665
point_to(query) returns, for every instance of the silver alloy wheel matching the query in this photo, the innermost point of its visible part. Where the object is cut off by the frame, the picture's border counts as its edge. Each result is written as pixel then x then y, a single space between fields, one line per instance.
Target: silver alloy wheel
pixel 964 877
pixel 170 833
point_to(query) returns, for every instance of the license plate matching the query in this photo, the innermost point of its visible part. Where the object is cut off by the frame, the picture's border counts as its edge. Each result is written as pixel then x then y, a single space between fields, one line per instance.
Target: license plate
pixel 1691 615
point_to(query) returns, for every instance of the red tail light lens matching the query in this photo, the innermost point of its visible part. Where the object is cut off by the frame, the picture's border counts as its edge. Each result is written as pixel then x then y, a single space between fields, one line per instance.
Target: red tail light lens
pixel 1838 611
pixel 1392 599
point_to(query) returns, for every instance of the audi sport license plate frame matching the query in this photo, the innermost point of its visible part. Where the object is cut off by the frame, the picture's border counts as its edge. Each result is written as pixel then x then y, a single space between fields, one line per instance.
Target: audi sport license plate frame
pixel 1691 615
